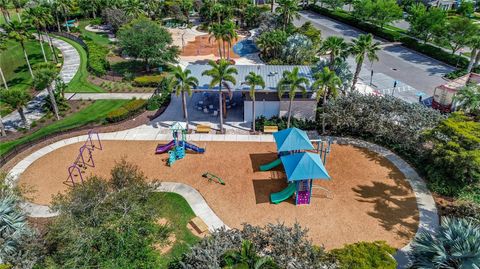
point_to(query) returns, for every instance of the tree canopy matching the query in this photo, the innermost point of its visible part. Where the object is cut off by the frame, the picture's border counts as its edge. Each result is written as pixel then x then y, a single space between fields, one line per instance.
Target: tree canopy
pixel 146 40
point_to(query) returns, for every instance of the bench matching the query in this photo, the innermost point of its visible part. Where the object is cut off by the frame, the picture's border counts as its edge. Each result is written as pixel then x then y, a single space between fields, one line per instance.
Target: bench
pixel 199 225
pixel 270 129
pixel 203 129
pixel 60 55
pixel 58 65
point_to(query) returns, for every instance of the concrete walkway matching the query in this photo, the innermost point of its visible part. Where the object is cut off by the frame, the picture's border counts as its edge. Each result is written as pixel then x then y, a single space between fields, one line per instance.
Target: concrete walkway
pixel 34 110
pixel 107 96
pixel 428 221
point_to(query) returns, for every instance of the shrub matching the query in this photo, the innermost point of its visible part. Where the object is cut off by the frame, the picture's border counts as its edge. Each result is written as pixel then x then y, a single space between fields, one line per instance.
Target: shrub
pixel 387 121
pixel 288 247
pixel 454 245
pixel 366 255
pixel 454 162
pixel 107 222
pixel 147 81
pixel 282 123
pixel 97 58
pixel 125 111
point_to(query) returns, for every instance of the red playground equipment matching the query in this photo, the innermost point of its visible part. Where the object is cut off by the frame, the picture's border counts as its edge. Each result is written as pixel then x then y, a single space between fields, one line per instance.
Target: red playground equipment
pixel 81 163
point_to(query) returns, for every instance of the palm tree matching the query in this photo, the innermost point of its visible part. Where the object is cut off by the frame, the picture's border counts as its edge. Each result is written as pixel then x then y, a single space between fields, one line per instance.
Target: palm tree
pixel 18 32
pixel 186 6
pixel 38 18
pixel 183 84
pixel 229 34
pixel 288 10
pixel 474 43
pixel 247 258
pixel 335 46
pixel 44 76
pixel 64 7
pixel 4 4
pixel 253 80
pixel 468 98
pixel 216 32
pixel 326 84
pixel 361 47
pixel 293 83
pixel 16 99
pixel 133 8
pixel 221 73
pixel 18 5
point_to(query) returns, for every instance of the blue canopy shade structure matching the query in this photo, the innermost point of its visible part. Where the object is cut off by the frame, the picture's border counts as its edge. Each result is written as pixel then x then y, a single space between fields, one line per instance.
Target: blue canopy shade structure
pixel 292 139
pixel 303 166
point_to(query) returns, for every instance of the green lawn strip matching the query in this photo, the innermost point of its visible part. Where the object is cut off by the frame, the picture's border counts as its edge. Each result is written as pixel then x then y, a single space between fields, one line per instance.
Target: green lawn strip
pixel 14 65
pixel 80 81
pixel 175 208
pixel 96 112
pixel 98 38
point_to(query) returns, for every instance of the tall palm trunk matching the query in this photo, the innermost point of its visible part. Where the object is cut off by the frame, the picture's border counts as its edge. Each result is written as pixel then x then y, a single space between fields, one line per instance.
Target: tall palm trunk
pixel 323 110
pixel 472 60
pixel 40 40
pixel 18 15
pixel 228 48
pixel 53 101
pixel 224 51
pixel 271 5
pixel 220 106
pixel 355 76
pixel 3 79
pixel 253 114
pixel 2 127
pixel 50 44
pixel 290 111
pixel 477 60
pixel 219 49
pixel 58 22
pixel 26 58
pixel 66 24
pixel 185 110
pixel 22 116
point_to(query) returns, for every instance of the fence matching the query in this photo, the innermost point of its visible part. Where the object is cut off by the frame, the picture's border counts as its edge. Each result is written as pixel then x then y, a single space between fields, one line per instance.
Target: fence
pixel 73 38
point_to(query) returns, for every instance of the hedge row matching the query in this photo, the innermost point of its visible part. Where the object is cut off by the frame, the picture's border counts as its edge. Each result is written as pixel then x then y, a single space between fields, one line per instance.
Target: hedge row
pixel 147 81
pixel 393 36
pixel 125 111
pixel 97 58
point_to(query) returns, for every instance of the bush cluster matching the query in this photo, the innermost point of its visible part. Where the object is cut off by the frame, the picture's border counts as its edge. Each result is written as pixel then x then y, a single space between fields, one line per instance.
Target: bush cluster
pixel 97 58
pixel 125 111
pixel 365 255
pixel 393 36
pixel 147 81
pixel 307 125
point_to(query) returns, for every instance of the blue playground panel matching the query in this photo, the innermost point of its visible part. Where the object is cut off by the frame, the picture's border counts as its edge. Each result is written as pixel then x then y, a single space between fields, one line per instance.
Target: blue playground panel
pixel 245 47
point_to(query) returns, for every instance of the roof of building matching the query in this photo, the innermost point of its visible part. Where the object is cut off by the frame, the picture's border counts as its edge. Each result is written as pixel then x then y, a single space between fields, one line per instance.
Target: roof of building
pixel 292 139
pixel 305 165
pixel 271 75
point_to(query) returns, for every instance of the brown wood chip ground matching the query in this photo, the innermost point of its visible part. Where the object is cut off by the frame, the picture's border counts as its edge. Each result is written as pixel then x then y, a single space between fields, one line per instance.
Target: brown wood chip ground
pixel 371 198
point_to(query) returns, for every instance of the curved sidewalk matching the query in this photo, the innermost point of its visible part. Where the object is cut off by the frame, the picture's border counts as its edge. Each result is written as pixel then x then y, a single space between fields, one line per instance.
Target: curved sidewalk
pixel 428 216
pixel 34 110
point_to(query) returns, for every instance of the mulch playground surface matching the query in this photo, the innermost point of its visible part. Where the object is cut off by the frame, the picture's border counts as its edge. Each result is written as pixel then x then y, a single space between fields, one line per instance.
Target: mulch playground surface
pixel 371 198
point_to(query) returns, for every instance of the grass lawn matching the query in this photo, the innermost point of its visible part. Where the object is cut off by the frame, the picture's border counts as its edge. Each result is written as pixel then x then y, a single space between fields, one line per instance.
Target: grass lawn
pixel 14 65
pixel 96 112
pixel 80 82
pixel 100 39
pixel 174 208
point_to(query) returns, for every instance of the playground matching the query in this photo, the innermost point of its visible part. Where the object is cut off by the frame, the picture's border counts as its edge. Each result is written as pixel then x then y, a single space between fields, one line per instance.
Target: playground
pixel 365 191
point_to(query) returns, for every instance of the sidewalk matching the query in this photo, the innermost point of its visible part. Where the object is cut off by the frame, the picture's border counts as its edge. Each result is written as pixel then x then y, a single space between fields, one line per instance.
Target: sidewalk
pixel 33 110
pixel 107 96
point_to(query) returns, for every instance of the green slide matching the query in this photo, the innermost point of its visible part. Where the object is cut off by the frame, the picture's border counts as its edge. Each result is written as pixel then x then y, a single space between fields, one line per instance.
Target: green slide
pixel 271 165
pixel 284 194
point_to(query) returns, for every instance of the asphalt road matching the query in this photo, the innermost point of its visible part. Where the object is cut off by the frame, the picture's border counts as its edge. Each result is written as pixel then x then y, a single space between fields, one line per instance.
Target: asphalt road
pixel 395 61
